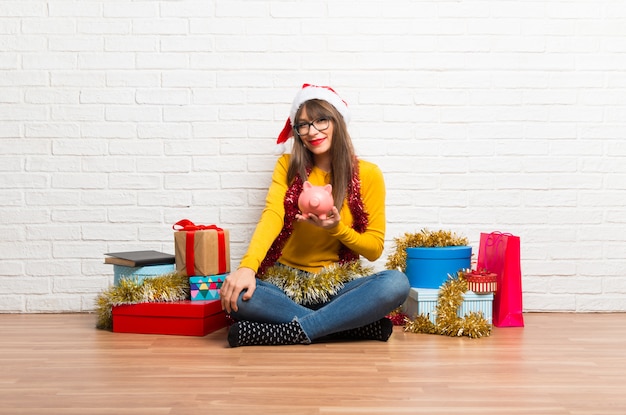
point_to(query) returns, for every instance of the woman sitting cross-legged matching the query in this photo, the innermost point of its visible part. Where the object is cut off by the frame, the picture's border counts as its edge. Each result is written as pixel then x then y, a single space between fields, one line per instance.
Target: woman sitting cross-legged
pixel 302 279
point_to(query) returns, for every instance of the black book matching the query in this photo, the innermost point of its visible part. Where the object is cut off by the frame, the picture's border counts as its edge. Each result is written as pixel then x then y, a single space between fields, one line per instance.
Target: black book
pixel 139 258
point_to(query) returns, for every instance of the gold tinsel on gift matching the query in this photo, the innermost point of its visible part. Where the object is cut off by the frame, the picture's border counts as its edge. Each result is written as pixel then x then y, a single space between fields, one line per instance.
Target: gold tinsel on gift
pixel 450 296
pixel 312 288
pixel 447 322
pixel 420 324
pixel 422 239
pixel 163 288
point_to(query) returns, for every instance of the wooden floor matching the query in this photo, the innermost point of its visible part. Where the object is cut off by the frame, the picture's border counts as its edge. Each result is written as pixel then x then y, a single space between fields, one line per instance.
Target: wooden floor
pixel 557 364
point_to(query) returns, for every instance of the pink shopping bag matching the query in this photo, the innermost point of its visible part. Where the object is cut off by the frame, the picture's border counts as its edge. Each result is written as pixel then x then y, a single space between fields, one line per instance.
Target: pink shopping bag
pixel 500 253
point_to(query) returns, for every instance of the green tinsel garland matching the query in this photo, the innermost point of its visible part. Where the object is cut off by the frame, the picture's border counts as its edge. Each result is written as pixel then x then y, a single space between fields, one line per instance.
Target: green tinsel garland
pixel 163 288
pixel 447 322
pixel 313 288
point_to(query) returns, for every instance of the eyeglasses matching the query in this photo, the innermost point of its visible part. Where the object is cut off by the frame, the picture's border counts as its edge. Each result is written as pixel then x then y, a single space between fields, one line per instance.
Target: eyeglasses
pixel 304 127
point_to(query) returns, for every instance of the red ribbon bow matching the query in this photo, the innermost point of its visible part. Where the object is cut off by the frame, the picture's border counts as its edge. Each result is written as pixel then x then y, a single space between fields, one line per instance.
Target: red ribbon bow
pixel 185 225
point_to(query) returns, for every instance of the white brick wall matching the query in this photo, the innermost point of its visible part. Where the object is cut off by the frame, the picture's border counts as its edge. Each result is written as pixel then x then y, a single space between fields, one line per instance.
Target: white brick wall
pixel 119 118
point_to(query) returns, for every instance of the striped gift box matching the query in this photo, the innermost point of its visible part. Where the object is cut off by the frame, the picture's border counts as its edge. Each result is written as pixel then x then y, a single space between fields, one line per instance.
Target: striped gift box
pixel 424 301
pixel 481 282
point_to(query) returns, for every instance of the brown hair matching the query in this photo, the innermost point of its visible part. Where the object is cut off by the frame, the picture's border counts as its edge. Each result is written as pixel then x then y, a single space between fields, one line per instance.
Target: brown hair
pixel 342 156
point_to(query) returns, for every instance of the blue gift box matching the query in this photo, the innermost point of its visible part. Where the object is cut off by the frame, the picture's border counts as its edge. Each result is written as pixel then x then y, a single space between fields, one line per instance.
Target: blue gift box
pixel 140 273
pixel 424 301
pixel 207 287
pixel 430 267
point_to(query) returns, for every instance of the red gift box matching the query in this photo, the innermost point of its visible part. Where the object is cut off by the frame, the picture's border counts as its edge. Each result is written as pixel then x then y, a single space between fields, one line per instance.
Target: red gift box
pixel 183 318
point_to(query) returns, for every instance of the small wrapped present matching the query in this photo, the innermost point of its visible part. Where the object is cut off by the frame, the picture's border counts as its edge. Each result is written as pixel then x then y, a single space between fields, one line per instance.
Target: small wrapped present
pixel 201 249
pixel 481 282
pixel 206 287
pixel 183 318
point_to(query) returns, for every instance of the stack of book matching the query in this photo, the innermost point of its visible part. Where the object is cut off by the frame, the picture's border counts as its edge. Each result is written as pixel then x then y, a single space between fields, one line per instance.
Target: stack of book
pixel 138 265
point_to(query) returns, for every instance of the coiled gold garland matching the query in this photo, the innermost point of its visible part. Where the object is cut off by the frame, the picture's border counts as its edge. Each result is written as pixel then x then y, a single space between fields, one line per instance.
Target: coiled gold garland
pixel 421 239
pixel 450 297
pixel 447 322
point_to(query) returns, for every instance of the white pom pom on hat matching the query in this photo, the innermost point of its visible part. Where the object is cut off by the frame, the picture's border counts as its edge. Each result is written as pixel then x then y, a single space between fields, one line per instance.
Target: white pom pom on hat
pixel 306 93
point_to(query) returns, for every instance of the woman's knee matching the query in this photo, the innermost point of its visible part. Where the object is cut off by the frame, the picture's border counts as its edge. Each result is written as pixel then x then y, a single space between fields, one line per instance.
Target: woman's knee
pixel 240 313
pixel 397 284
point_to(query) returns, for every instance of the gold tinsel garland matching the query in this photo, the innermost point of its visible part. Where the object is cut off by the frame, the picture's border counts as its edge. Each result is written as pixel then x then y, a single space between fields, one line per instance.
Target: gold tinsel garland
pixel 312 288
pixel 422 239
pixel 163 288
pixel 450 296
pixel 302 287
pixel 447 322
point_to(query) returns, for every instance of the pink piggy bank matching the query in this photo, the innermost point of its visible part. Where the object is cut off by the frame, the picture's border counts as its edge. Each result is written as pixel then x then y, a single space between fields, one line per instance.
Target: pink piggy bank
pixel 316 199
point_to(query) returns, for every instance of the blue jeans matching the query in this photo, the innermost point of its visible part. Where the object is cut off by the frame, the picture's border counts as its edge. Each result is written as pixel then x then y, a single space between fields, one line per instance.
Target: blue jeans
pixel 360 302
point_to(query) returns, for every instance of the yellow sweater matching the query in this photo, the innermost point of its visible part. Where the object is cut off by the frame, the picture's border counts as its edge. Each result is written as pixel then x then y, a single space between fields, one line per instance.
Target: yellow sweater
pixel 311 248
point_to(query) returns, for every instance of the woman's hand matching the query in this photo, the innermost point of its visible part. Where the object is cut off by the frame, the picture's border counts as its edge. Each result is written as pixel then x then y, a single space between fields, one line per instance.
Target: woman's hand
pixel 332 219
pixel 235 283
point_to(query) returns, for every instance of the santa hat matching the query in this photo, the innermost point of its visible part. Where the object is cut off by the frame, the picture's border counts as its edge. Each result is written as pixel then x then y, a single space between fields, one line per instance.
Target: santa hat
pixel 308 92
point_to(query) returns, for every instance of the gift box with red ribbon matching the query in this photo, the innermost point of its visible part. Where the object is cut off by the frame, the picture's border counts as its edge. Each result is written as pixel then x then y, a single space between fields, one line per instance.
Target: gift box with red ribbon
pixel 201 249
pixel 183 318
